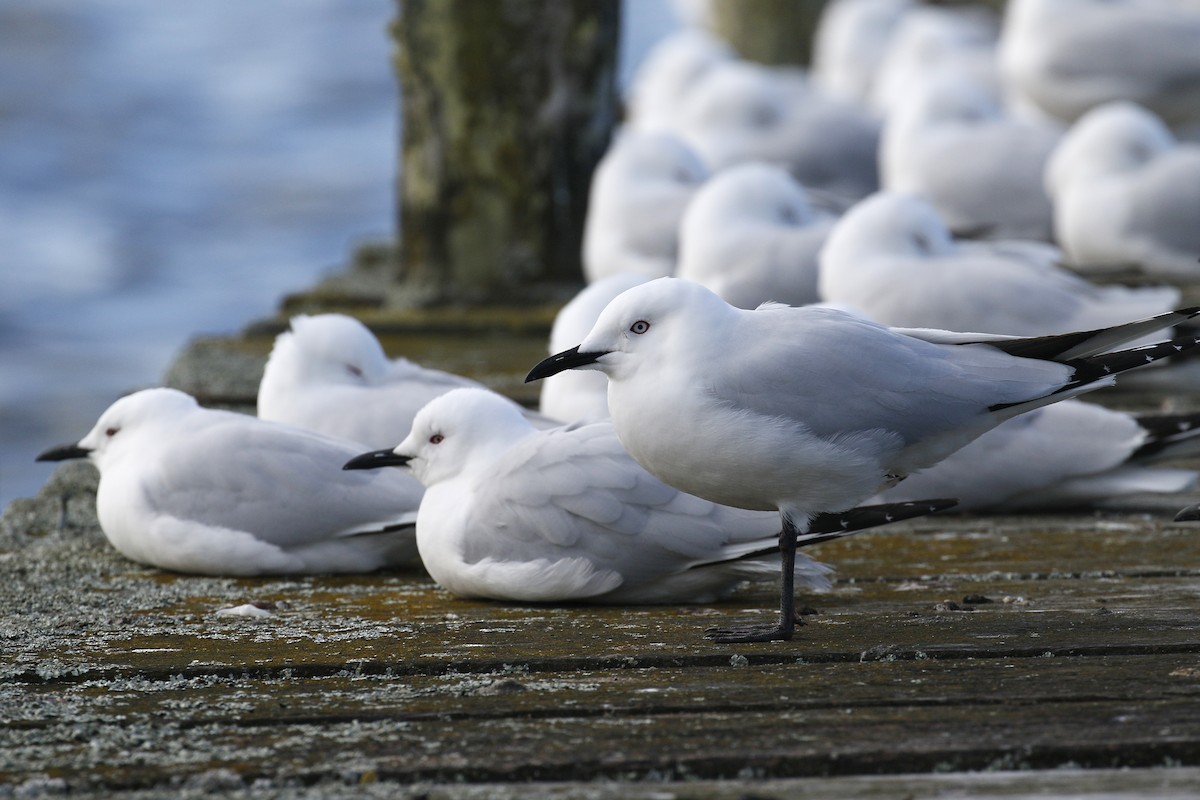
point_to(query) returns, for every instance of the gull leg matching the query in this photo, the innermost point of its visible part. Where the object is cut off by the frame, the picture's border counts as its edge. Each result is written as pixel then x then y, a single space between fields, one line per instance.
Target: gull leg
pixel 785 628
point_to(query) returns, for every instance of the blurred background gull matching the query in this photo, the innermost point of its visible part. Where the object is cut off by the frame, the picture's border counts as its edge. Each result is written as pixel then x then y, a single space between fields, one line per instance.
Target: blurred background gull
pixel 170 170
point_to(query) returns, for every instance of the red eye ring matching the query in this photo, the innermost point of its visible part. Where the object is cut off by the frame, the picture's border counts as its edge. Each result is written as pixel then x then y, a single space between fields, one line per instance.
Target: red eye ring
pixel 640 327
pixel 437 438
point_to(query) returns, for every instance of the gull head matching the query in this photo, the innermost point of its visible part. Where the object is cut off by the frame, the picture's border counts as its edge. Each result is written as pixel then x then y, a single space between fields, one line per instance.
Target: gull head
pixel 755 193
pixel 644 326
pixel 648 158
pixel 889 223
pixel 459 431
pixel 326 349
pixel 1112 138
pixel 115 434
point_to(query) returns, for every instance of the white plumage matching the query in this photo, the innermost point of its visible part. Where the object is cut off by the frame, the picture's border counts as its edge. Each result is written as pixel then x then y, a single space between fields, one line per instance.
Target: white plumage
pixel 512 513
pixel 638 195
pixel 576 395
pixel 980 167
pixel 215 492
pixel 329 374
pixel 809 409
pixel 1126 194
pixel 893 258
pixel 751 235
pixel 1065 456
pixel 1064 57
pixel 738 112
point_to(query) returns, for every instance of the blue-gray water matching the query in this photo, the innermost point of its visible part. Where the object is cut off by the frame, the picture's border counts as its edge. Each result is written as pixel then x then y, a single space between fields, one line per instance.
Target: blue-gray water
pixel 172 169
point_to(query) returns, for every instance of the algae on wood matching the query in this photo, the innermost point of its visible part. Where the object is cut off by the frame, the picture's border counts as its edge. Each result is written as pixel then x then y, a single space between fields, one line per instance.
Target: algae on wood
pixel 507 106
pixel 768 31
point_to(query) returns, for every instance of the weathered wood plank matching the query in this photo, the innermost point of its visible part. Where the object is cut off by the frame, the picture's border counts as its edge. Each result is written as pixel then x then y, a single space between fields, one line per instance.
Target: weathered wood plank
pixel 120 677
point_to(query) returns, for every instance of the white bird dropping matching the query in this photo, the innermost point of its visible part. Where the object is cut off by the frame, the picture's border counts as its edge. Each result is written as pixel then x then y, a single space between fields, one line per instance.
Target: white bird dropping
pixel 197 490
pixel 807 410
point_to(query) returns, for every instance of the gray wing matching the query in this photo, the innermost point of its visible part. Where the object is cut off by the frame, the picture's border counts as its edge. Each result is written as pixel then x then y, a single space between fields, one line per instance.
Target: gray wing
pixel 1164 200
pixel 836 373
pixel 575 492
pixel 284 485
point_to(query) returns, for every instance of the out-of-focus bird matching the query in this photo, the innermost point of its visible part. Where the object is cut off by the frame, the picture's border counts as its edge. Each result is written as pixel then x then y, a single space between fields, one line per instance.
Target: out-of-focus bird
pixel 638 195
pixel 1126 194
pixel 751 235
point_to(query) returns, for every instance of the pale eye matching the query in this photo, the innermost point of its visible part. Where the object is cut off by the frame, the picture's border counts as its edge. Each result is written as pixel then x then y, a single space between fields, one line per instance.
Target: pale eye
pixel 640 327
pixel 436 438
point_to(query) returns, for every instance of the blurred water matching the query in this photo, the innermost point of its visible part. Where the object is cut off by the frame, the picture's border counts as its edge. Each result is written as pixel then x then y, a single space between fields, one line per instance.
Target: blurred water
pixel 171 169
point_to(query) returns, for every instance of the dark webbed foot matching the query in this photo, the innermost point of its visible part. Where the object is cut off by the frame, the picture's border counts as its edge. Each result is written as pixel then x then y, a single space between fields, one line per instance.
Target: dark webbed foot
pixel 750 633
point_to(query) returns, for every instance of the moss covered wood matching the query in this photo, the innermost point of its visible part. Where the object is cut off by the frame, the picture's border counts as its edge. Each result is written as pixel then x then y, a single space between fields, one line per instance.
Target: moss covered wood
pixel 507 107
pixel 768 31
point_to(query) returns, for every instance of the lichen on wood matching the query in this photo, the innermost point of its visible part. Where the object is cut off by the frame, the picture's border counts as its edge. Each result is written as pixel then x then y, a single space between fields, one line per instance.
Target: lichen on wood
pixel 507 107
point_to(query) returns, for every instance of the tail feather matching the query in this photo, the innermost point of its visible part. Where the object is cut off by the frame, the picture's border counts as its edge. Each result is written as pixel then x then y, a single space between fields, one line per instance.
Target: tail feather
pixel 1168 436
pixel 1103 367
pixel 835 525
pixel 1084 344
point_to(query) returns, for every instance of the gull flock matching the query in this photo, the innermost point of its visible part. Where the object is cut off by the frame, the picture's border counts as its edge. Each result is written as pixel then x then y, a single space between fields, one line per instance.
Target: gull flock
pixel 817 301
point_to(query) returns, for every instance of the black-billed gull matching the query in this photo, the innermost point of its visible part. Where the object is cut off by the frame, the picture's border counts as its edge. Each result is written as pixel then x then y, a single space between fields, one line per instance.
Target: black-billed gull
pixel 1127 194
pixel 1066 456
pixel 513 513
pixel 328 364
pixel 751 235
pixel 893 258
pixel 1064 57
pixel 214 492
pixel 806 410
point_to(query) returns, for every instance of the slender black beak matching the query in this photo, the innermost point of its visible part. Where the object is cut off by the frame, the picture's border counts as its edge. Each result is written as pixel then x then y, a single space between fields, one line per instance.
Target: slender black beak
pixel 64 452
pixel 376 459
pixel 1189 514
pixel 567 359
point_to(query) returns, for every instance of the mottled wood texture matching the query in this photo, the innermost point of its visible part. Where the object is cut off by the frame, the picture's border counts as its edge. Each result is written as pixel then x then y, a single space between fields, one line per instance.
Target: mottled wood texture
pixel 507 107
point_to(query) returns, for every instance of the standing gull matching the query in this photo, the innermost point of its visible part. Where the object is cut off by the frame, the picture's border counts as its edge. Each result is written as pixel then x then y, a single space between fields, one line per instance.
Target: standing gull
pixel 197 490
pixel 808 410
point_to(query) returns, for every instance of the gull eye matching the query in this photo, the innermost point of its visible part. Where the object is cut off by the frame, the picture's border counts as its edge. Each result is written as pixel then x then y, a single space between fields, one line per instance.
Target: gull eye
pixel 640 327
pixel 436 438
pixel 111 431
pixel 353 370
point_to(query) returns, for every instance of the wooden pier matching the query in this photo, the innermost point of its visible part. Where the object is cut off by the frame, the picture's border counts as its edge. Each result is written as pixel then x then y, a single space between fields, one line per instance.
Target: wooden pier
pixel 1015 656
